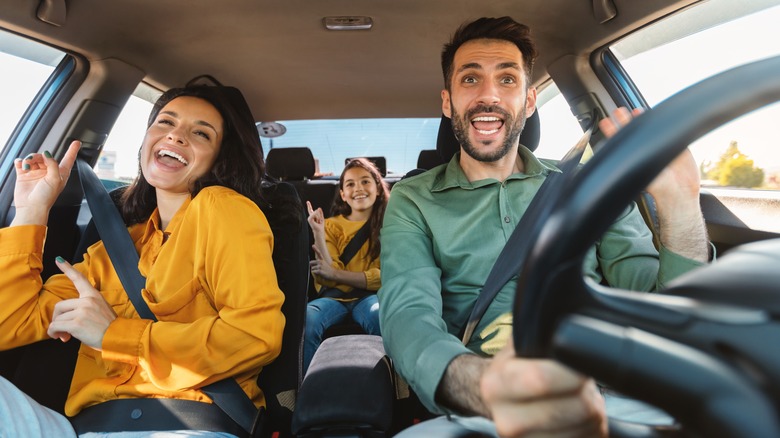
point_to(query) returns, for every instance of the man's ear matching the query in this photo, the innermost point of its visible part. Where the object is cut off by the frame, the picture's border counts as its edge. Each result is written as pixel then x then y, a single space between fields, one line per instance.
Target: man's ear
pixel 445 103
pixel 530 101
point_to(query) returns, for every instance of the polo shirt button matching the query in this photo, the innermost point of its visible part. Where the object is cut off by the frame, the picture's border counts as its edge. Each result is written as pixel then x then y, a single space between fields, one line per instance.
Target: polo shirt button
pixel 136 414
pixel 506 219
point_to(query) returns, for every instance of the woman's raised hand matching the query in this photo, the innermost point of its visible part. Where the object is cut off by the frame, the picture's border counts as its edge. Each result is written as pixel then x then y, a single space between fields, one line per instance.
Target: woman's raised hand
pixel 39 181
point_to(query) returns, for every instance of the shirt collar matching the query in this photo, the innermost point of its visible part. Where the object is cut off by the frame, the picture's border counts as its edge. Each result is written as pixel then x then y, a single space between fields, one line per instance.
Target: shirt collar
pixel 453 175
pixel 153 223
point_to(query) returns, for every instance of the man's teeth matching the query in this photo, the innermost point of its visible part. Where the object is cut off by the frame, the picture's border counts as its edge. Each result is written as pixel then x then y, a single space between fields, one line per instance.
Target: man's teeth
pixel 487 119
pixel 165 152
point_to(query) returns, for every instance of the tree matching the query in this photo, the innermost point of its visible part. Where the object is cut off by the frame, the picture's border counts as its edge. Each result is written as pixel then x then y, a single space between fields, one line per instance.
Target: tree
pixel 736 169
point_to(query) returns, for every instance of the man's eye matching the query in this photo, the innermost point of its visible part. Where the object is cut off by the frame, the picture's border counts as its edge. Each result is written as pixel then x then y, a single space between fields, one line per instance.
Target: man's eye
pixel 469 80
pixel 508 80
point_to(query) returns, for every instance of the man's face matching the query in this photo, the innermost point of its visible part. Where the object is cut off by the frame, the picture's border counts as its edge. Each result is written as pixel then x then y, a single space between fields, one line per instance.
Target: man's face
pixel 488 101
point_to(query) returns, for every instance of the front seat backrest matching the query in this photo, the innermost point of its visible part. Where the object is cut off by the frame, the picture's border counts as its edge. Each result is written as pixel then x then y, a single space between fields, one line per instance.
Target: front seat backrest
pixel 281 379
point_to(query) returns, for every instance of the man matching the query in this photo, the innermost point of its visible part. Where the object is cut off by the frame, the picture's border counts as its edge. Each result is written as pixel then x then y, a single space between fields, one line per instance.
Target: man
pixel 444 229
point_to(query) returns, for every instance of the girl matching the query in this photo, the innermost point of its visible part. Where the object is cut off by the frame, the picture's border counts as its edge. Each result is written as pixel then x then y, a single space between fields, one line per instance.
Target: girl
pixel 347 288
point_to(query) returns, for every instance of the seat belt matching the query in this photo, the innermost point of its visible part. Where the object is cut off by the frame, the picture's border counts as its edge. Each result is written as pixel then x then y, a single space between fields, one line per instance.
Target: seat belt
pixel 355 243
pixel 512 257
pixel 226 393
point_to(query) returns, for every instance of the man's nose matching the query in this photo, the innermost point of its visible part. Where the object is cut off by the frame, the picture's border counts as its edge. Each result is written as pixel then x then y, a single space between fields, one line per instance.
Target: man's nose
pixel 488 93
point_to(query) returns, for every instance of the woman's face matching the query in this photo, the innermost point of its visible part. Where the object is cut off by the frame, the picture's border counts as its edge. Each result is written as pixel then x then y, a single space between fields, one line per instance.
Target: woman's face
pixel 181 144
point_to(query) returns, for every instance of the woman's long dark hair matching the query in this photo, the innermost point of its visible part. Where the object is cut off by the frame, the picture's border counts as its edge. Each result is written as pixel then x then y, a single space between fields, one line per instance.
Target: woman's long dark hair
pixel 377 212
pixel 239 164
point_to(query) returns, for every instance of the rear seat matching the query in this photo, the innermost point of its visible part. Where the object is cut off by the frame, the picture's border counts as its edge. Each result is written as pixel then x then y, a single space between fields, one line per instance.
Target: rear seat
pixel 296 165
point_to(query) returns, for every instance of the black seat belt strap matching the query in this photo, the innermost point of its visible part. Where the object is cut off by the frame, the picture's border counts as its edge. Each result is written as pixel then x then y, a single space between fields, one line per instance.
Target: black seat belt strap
pixel 113 231
pixel 355 244
pixel 512 257
pixel 226 393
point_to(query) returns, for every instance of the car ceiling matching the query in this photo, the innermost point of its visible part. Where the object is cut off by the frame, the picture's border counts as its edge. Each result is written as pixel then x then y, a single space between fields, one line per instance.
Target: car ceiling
pixel 290 67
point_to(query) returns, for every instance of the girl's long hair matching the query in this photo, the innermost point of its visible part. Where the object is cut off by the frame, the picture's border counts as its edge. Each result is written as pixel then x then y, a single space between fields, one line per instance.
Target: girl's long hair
pixel 377 212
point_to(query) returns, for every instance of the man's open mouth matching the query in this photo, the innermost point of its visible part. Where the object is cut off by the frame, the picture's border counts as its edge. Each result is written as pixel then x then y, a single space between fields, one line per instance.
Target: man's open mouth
pixel 487 125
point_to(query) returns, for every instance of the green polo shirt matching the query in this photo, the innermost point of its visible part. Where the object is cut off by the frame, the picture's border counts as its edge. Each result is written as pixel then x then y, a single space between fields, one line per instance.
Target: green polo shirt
pixel 440 238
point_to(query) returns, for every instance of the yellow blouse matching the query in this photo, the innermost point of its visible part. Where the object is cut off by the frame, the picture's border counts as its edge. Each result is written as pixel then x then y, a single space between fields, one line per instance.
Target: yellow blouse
pixel 211 284
pixel 338 232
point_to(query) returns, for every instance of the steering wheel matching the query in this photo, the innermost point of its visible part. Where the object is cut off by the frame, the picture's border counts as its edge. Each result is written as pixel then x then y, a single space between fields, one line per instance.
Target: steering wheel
pixel 705 349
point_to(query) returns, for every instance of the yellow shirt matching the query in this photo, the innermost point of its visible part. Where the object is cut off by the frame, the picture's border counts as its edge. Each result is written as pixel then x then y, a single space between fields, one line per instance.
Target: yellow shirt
pixel 338 232
pixel 211 284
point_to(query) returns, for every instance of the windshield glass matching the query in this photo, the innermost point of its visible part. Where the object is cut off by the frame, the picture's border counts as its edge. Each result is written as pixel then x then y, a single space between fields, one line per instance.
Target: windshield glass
pixel 333 141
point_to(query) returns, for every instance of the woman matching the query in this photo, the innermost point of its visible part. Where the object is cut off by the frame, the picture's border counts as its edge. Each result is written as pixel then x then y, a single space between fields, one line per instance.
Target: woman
pixel 205 249
pixel 346 287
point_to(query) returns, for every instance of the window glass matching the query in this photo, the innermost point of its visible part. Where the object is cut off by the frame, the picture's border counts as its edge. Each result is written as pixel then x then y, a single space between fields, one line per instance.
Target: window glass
pixel 26 65
pixel 560 130
pixel 333 141
pixel 694 45
pixel 118 161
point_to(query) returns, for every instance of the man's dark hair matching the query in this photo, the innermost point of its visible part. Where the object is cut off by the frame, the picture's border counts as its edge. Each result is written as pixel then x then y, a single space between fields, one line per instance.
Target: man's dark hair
pixel 503 28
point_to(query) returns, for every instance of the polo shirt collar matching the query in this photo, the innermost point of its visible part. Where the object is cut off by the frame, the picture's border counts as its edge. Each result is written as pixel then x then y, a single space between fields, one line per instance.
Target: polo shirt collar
pixel 453 175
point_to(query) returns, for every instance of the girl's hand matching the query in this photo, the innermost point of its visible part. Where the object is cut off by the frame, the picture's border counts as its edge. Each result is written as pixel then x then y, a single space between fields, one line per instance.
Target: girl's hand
pixel 322 269
pixel 39 181
pixel 316 219
pixel 86 318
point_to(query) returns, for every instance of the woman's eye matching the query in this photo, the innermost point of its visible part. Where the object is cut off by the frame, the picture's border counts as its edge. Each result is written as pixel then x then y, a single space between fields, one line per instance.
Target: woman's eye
pixel 165 122
pixel 203 134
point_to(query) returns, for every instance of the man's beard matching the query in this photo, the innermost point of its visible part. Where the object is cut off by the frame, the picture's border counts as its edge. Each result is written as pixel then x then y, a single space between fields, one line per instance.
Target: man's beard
pixel 460 127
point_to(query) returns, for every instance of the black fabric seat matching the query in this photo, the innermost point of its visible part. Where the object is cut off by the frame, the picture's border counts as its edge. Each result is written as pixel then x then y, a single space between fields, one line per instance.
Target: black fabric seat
pixel 296 166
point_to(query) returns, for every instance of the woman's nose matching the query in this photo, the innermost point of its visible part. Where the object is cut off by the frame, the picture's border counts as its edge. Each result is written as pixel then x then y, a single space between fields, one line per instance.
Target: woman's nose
pixel 176 135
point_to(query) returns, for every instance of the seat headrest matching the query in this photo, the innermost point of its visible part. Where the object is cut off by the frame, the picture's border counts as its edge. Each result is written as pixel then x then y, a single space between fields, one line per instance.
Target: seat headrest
pixel 428 159
pixel 379 162
pixel 447 145
pixel 290 164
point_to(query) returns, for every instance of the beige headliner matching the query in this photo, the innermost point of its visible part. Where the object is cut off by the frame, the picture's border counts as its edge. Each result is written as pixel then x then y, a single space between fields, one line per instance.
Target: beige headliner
pixel 290 67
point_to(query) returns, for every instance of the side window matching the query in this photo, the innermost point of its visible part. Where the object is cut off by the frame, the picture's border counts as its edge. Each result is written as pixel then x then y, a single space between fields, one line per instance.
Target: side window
pixel 26 66
pixel 741 157
pixel 559 128
pixel 118 161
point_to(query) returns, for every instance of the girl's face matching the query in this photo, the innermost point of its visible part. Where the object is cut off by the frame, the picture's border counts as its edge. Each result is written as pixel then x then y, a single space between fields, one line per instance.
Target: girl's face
pixel 359 190
pixel 181 144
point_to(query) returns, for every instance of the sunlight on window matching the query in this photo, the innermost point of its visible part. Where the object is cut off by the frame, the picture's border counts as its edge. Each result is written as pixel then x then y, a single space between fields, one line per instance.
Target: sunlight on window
pixel 743 153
